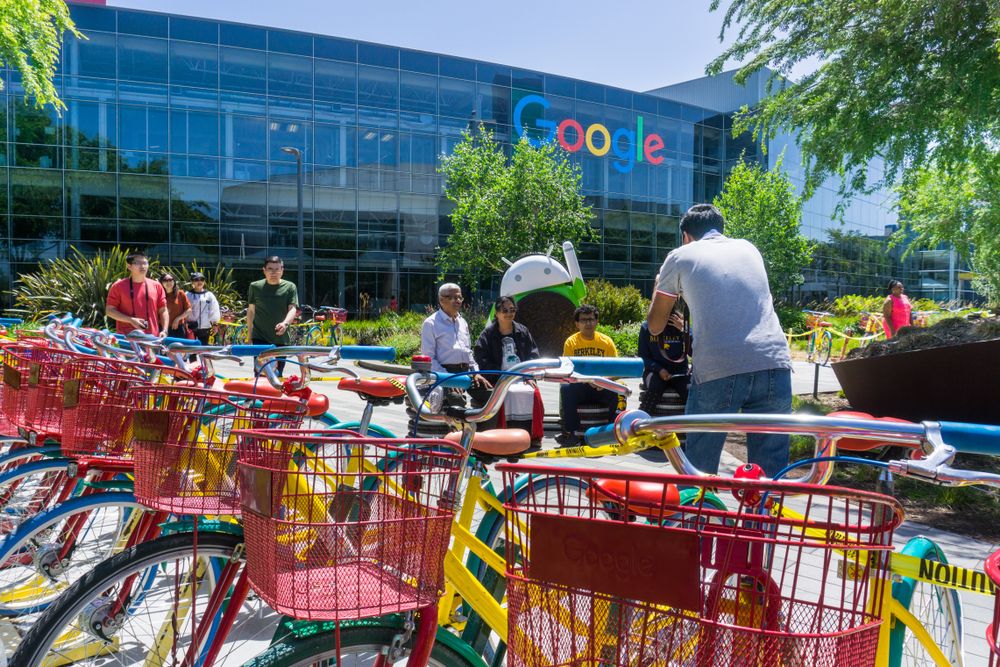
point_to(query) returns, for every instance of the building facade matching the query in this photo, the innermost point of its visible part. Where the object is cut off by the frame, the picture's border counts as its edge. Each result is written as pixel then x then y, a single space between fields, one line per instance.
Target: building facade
pixel 174 134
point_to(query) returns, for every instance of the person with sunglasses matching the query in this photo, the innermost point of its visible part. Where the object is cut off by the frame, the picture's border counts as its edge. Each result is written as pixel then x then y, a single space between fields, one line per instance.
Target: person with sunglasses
pixel 178 307
pixel 503 344
pixel 205 311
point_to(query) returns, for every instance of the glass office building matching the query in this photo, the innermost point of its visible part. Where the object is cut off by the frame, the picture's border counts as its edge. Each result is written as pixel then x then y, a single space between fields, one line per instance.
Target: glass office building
pixel 174 134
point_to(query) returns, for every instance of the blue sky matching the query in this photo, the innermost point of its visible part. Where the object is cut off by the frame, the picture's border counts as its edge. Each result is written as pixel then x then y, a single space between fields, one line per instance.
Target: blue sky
pixel 635 44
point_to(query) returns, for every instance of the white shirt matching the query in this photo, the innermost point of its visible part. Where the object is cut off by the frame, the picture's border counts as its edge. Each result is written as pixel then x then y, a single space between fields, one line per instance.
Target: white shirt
pixel 446 341
pixel 204 309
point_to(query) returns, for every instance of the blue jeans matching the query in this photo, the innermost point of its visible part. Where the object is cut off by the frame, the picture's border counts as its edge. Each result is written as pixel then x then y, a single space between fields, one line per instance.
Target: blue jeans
pixel 767 391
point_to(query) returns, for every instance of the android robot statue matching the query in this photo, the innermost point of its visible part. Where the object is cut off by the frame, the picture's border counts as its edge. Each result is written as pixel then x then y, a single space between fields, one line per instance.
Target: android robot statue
pixel 546 293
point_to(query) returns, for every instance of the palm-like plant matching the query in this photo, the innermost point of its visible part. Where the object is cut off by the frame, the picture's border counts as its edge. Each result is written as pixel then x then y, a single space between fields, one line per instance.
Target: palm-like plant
pixel 219 281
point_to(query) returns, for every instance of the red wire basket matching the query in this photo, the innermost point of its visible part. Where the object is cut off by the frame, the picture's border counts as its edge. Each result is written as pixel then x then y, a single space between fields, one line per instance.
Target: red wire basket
pixel 624 574
pixel 325 543
pixel 32 387
pixel 98 405
pixel 184 448
pixel 993 631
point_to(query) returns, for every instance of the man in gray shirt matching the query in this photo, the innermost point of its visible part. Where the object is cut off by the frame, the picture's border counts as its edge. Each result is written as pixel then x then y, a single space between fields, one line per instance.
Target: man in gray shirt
pixel 740 361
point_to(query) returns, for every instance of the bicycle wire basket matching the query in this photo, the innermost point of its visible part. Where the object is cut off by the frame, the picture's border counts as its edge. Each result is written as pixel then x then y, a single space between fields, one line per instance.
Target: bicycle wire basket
pixel 184 447
pixel 32 387
pixel 625 574
pixel 329 537
pixel 993 631
pixel 98 405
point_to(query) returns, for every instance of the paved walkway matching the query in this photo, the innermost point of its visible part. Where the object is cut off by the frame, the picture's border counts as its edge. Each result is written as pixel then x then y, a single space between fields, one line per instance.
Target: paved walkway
pixel 977 609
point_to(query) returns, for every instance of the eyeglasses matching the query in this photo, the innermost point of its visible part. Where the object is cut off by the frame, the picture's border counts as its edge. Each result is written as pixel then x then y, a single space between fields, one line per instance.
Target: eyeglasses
pixel 167 280
pixel 508 311
pixel 454 297
pixel 587 320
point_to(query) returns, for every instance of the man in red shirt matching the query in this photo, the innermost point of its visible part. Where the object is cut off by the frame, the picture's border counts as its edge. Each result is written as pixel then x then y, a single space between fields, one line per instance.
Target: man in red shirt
pixel 136 302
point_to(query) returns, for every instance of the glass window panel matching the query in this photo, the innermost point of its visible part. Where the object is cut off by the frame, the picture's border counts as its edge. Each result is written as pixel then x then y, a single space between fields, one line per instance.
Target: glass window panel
pixel 194 30
pixel 592 92
pixel 335 112
pixel 376 54
pixel 557 85
pixel 417 153
pixel 289 75
pixel 152 94
pixel 243 70
pixel 233 34
pixel 143 197
pixel 36 192
pixel 457 98
pixel 244 204
pixel 194 199
pixel 35 126
pixel 335 145
pixel 142 163
pixel 418 217
pixel 489 73
pixel 378 87
pixel 91 195
pixel 642 237
pixel 418 92
pixel 290 42
pixel 666 235
pixel 46 157
pixel 418 61
pixel 85 88
pixel 194 132
pixel 378 237
pixel 337 82
pixel 186 97
pixel 527 80
pixel 143 233
pixel 335 49
pixel 188 236
pixel 336 207
pixel 291 133
pixel 36 228
pixel 94 56
pixel 93 18
pixel 458 68
pixel 618 97
pixel 142 59
pixel 243 103
pixel 135 23
pixel 644 103
pixel 96 232
pixel 245 170
pixel 142 129
pixel 244 137
pixel 194 64
pixel 493 103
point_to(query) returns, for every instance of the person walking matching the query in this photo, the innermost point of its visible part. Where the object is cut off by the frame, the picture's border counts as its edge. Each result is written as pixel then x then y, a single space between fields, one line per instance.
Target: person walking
pixel 896 309
pixel 272 304
pixel 137 303
pixel 740 355
pixel 586 342
pixel 178 307
pixel 205 311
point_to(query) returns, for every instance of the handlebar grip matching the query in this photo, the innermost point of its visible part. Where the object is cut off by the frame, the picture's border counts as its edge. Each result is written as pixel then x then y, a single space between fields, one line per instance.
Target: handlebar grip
pixel 972 438
pixel 10 321
pixel 249 350
pixel 367 352
pixel 75 322
pixel 453 381
pixel 183 341
pixel 598 436
pixel 621 367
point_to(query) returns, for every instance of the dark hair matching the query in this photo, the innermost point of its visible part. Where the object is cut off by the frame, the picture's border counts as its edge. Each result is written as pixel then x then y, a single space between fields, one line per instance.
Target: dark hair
pixel 893 283
pixel 586 309
pixel 701 219
pixel 273 259
pixel 500 301
pixel 134 256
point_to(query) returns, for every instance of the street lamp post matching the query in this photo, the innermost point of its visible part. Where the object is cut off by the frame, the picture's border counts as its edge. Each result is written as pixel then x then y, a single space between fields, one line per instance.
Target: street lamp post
pixel 302 257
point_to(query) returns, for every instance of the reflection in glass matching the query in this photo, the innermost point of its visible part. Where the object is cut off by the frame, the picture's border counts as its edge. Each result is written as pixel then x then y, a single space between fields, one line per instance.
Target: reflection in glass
pixel 142 59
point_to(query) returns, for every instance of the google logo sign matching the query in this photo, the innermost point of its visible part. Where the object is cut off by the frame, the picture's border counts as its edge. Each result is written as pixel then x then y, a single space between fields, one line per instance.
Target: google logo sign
pixel 627 144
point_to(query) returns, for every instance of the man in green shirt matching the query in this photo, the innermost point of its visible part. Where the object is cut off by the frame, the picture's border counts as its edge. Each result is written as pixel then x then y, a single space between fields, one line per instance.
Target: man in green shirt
pixel 272 304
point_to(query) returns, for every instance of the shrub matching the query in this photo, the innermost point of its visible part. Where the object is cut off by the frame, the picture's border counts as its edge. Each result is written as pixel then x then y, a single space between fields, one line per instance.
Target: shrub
pixel 791 317
pixel 407 343
pixel 219 281
pixel 617 305
pixel 626 337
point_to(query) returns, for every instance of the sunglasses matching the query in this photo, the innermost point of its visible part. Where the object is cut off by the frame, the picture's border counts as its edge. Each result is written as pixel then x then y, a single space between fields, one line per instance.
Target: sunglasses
pixel 509 311
pixel 167 280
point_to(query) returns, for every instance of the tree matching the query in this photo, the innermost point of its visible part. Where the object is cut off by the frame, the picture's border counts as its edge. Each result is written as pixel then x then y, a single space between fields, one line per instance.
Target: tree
pixel 31 34
pixel 855 263
pixel 960 206
pixel 761 206
pixel 508 208
pixel 899 82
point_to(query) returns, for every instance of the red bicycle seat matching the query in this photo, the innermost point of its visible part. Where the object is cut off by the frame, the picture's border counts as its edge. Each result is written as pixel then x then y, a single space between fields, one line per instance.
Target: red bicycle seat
pixel 316 405
pixel 393 387
pixel 497 441
pixel 849 444
pixel 646 498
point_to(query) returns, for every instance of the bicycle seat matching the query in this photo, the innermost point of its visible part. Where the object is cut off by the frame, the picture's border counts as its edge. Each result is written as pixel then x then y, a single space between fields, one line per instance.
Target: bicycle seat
pixel 645 498
pixel 316 405
pixel 393 387
pixel 864 445
pixel 497 442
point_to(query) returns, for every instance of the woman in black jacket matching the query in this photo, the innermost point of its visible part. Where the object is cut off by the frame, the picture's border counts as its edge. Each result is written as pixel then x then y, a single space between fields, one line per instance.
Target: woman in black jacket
pixel 503 344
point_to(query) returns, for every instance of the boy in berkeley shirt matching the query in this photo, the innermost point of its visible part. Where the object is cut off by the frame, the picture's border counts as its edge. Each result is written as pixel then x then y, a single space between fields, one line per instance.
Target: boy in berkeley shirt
pixel 586 342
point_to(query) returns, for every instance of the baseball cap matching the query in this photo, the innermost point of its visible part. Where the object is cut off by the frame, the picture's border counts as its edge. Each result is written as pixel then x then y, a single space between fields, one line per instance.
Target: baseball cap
pixel 197 276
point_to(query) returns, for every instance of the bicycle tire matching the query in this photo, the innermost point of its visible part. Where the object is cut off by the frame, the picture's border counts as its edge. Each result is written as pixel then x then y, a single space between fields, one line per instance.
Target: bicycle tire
pixel 368 637
pixel 939 610
pixel 29 489
pixel 150 564
pixel 825 348
pixel 24 587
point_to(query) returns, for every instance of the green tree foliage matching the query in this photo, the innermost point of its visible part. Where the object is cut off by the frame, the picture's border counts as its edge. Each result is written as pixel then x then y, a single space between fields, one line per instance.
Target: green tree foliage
pixel 617 305
pixel 901 82
pixel 509 208
pixel 761 206
pixel 80 283
pixel 850 259
pixel 30 39
pixel 960 206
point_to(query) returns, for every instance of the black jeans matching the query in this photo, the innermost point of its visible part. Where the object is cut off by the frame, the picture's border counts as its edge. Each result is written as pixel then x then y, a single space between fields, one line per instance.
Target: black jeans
pixel 279 366
pixel 655 386
pixel 202 335
pixel 575 394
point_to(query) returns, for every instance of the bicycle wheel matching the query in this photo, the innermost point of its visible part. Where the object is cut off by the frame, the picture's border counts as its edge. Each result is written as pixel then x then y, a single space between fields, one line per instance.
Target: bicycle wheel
pixel 142 606
pixel 825 347
pixel 32 571
pixel 938 609
pixel 361 643
pixel 811 346
pixel 30 488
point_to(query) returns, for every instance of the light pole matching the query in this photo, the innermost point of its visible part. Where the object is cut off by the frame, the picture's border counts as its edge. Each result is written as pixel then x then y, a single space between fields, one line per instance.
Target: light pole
pixel 302 256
